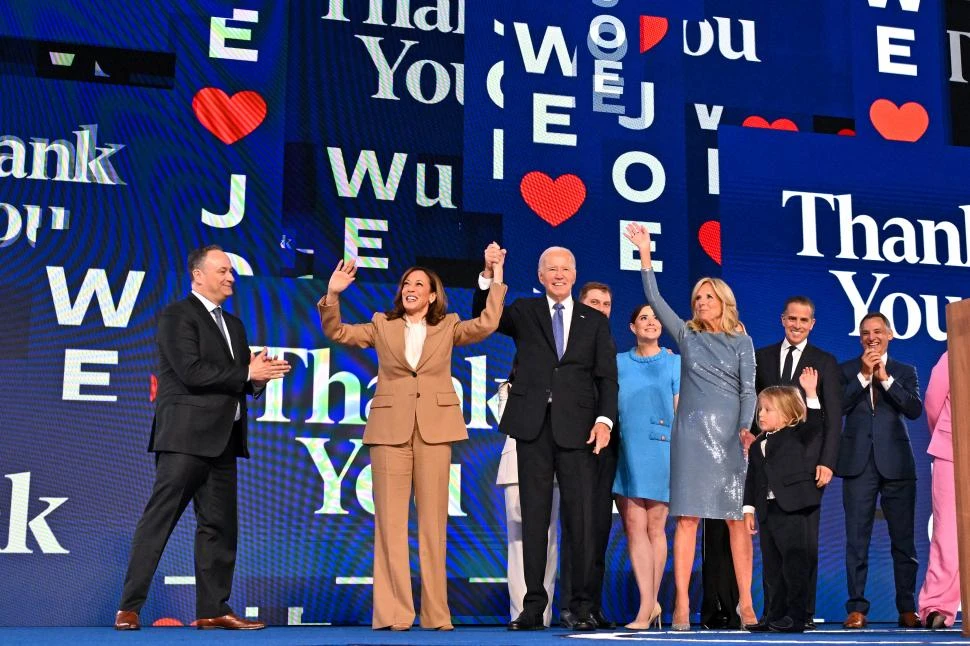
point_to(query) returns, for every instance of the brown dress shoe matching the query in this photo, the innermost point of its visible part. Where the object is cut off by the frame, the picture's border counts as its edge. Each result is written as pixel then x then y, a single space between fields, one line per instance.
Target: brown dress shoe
pixel 855 620
pixel 127 620
pixel 229 622
pixel 909 620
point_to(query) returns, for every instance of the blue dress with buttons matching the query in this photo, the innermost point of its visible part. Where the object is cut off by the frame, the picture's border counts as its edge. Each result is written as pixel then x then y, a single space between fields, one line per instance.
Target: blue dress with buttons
pixel 646 402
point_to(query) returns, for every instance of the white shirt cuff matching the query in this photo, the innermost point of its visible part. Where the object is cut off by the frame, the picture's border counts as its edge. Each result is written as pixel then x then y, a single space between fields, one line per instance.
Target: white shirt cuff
pixel 889 382
pixel 862 380
pixel 605 420
pixel 484 283
pixel 813 403
pixel 747 509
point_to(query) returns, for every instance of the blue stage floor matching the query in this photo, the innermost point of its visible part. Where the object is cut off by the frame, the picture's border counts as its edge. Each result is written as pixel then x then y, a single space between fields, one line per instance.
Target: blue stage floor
pixel 466 636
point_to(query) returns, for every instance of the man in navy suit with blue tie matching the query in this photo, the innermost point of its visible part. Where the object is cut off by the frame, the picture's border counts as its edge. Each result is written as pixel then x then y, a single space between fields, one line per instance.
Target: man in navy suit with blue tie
pixel 876 459
pixel 560 410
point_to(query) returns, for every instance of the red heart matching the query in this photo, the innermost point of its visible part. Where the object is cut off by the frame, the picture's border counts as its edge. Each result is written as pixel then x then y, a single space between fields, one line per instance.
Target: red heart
pixel 905 123
pixel 652 31
pixel 555 201
pixel 754 121
pixel 229 119
pixel 709 235
pixel 846 132
pixel 152 387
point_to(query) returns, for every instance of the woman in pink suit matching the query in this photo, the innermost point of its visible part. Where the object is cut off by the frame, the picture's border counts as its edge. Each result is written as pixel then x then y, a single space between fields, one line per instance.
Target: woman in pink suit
pixel 939 598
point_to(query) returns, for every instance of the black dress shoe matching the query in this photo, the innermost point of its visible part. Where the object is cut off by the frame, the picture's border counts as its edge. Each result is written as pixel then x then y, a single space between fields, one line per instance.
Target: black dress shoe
pixel 568 619
pixel 786 625
pixel 810 624
pixel 601 621
pixel 935 620
pixel 526 621
pixel 585 622
pixel 760 627
pixel 717 621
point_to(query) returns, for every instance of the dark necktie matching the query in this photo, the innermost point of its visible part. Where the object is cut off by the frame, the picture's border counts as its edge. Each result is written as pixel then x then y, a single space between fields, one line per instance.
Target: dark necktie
pixel 786 376
pixel 217 312
pixel 558 331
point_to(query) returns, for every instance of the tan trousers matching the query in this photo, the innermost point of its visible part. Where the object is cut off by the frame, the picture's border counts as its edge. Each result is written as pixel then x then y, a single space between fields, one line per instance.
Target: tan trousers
pixel 394 468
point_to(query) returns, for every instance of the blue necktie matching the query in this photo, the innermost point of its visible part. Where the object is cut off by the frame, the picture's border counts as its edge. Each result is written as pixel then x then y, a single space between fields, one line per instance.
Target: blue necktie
pixel 558 332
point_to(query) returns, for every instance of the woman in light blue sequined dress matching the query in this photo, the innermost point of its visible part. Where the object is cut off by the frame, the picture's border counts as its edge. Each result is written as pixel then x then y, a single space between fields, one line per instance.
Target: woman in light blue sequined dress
pixel 708 453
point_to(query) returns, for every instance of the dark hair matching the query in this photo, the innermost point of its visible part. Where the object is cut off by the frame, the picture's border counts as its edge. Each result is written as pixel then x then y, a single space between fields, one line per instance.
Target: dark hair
pixel 603 287
pixel 876 315
pixel 799 300
pixel 636 313
pixel 436 310
pixel 197 256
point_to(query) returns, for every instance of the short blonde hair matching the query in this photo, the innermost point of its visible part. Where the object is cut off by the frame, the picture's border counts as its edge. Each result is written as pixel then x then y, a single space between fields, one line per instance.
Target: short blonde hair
pixel 788 400
pixel 730 323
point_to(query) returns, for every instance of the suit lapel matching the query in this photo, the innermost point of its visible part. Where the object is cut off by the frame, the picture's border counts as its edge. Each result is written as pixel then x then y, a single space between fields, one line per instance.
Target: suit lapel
pixel 576 325
pixel 544 320
pixel 210 321
pixel 773 365
pixel 394 333
pixel 431 342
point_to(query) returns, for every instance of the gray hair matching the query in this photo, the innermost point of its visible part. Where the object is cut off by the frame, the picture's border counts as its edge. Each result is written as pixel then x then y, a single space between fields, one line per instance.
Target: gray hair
pixel 542 257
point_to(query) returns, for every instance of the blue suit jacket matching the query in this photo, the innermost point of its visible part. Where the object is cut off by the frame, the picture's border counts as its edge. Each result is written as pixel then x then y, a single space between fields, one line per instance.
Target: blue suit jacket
pixel 881 430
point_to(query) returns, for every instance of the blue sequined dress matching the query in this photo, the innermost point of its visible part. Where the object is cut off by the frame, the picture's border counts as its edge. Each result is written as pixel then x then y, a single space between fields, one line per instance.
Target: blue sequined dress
pixel 717 400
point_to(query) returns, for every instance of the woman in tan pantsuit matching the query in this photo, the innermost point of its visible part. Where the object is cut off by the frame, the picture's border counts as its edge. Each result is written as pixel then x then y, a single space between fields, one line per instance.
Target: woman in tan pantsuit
pixel 414 417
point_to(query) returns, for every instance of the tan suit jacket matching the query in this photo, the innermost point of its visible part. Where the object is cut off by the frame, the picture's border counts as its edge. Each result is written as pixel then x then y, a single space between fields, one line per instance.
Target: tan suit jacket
pixel 424 394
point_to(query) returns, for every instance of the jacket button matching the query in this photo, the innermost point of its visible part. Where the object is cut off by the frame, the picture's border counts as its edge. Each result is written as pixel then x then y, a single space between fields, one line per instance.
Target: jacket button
pixel 663 437
pixel 414 374
pixel 418 395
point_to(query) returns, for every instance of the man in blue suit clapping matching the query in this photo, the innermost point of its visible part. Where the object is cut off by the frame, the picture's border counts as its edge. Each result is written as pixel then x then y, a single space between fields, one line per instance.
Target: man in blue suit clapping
pixel 876 458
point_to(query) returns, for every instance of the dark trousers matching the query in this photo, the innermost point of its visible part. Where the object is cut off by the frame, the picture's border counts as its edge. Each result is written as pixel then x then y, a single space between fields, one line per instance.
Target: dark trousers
pixel 813 517
pixel 897 498
pixel 604 467
pixel 785 559
pixel 720 601
pixel 538 461
pixel 210 483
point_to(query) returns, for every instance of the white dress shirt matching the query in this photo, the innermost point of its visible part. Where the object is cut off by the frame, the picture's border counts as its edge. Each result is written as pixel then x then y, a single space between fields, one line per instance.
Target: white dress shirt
pixel 414 336
pixel 796 355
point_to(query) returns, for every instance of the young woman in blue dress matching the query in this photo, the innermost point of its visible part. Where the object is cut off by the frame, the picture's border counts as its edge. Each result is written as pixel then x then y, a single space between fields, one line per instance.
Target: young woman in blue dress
pixel 649 377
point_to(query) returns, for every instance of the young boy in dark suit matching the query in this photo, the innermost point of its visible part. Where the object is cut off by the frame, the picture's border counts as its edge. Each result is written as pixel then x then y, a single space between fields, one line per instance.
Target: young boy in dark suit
pixel 781 489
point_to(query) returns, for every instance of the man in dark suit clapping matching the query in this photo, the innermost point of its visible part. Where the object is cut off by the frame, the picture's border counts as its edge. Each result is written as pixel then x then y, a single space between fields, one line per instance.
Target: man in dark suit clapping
pixel 560 411
pixel 205 371
pixel 876 459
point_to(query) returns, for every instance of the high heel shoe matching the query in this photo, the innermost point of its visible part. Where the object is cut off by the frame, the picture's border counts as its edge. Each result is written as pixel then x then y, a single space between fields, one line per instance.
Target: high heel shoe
pixel 655 618
pixel 746 625
pixel 680 626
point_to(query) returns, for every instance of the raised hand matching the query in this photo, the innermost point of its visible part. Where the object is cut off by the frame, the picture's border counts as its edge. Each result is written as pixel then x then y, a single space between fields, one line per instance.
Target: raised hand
pixel 495 260
pixel 809 381
pixel 640 237
pixel 342 277
pixel 493 254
